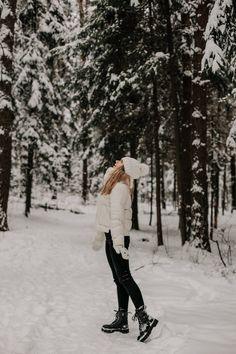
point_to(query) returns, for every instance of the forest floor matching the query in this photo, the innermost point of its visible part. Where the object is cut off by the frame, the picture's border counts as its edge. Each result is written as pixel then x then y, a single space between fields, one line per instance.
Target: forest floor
pixel 56 292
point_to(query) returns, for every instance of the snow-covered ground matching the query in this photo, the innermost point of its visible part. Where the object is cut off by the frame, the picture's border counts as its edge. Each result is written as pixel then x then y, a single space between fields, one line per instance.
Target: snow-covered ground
pixel 56 292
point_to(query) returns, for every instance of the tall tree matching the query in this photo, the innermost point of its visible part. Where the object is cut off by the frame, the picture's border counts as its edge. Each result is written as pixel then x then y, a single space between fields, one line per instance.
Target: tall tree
pixel 199 121
pixel 44 123
pixel 176 106
pixel 7 23
pixel 185 116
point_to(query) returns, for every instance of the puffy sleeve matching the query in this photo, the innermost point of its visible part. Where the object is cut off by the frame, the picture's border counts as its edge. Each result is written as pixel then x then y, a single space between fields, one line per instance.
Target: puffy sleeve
pixel 118 198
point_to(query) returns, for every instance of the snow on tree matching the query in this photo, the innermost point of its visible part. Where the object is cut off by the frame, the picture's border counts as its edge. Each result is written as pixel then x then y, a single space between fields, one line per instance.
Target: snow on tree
pixel 43 121
pixel 7 22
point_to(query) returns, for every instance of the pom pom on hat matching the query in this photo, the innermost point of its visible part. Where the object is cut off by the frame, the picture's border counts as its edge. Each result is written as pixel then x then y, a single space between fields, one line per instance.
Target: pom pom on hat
pixel 134 168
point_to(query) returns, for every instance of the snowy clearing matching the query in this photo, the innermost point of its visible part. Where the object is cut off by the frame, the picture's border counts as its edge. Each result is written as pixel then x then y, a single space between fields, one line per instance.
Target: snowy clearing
pixel 56 292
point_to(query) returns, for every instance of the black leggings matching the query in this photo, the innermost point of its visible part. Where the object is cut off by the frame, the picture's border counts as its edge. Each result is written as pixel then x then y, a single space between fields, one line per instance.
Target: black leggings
pixel 125 283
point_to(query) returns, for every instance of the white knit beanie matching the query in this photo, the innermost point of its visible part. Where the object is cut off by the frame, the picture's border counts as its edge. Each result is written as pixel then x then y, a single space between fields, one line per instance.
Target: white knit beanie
pixel 134 168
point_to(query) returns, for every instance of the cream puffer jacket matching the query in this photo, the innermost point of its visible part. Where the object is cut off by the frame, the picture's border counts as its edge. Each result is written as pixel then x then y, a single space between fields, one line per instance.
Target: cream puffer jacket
pixel 114 212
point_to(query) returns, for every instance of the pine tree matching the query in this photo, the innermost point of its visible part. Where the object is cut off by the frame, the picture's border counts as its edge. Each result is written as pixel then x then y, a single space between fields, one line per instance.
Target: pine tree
pixel 7 23
pixel 44 122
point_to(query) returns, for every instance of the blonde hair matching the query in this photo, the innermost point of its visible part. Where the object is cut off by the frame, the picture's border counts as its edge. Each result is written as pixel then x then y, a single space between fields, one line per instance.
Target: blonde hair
pixel 117 175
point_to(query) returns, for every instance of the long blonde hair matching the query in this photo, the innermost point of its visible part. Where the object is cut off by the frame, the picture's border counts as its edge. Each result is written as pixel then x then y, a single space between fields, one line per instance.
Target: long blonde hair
pixel 117 175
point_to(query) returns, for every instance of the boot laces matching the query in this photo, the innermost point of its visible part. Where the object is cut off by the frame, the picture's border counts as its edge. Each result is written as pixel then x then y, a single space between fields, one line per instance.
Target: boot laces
pixel 140 314
pixel 120 311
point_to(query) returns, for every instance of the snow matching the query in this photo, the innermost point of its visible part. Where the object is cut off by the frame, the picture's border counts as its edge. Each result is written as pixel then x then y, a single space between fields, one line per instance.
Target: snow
pixel 134 2
pixel 6 11
pixel 217 16
pixel 196 142
pixel 4 32
pixel 35 98
pixel 56 292
pixel 5 50
pixel 196 114
pixel 196 188
pixel 213 56
pixel 5 102
pixel 230 142
pixel 188 73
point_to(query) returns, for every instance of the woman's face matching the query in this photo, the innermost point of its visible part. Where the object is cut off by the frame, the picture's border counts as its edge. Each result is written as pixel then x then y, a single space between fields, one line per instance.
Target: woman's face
pixel 118 163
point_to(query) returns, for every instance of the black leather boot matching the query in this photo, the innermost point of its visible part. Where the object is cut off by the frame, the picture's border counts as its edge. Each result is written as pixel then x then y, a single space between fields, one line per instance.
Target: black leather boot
pixel 120 324
pixel 146 323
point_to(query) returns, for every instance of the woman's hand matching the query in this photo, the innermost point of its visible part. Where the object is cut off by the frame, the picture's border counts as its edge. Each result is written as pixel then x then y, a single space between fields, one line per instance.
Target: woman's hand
pixel 122 250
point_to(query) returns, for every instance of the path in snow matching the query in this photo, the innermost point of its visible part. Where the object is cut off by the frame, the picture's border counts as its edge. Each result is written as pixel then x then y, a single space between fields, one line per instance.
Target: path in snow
pixel 56 292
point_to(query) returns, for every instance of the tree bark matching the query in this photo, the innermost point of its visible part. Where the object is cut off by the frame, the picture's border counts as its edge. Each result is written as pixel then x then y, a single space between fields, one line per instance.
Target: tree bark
pixel 211 211
pixel 7 20
pixel 186 124
pixel 224 192
pixel 199 120
pixel 215 174
pixel 233 183
pixel 135 222
pixel 85 180
pixel 163 197
pixel 158 187
pixel 81 12
pixel 156 123
pixel 216 194
pixel 173 72
pixel 151 196
pixel 29 180
pixel 174 187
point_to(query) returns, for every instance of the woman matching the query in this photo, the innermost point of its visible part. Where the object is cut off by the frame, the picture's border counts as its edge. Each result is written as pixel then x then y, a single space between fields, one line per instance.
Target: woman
pixel 113 222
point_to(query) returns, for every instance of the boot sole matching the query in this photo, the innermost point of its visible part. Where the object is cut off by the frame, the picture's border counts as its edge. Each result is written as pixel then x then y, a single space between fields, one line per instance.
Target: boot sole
pixel 112 330
pixel 147 334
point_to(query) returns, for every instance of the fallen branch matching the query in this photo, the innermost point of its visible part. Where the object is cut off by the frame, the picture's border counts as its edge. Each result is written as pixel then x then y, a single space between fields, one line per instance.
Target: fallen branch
pixel 55 207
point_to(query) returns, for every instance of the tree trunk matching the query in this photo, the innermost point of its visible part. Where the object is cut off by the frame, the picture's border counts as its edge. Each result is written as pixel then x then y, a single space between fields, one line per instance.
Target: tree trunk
pixel 174 187
pixel 81 12
pixel 173 72
pixel 29 180
pixel 216 195
pixel 87 3
pixel 151 196
pixel 135 222
pixel 158 188
pixel 163 197
pixel 224 191
pixel 156 122
pixel 233 183
pixel 211 211
pixel 7 22
pixel 199 120
pixel 156 126
pixel 85 180
pixel 186 124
